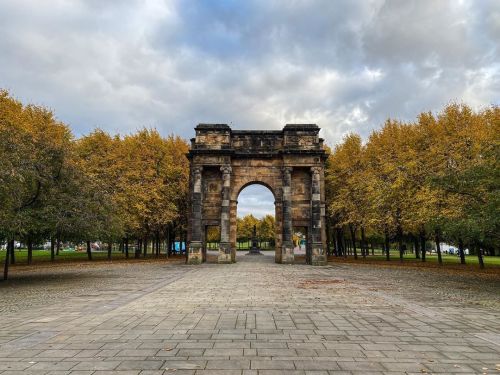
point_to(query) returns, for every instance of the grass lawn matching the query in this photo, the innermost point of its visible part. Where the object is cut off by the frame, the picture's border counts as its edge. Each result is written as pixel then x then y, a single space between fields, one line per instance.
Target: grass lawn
pixel 40 256
pixel 430 258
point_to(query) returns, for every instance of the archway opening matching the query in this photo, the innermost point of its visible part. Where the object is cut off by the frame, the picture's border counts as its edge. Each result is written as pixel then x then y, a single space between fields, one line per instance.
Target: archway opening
pixel 212 237
pixel 256 220
pixel 300 244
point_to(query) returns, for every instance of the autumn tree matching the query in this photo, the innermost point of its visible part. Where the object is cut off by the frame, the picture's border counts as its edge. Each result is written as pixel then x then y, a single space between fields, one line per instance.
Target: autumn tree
pixel 266 229
pixel 468 173
pixel 434 179
pixel 96 188
pixel 348 185
pixel 35 159
pixel 153 183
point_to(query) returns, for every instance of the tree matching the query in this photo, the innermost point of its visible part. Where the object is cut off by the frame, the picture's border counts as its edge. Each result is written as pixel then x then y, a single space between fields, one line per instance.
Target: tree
pixel 436 178
pixel 34 151
pixel 266 229
pixel 96 158
pixel 95 188
pixel 152 186
pixel 346 179
pixel 469 174
pixel 244 227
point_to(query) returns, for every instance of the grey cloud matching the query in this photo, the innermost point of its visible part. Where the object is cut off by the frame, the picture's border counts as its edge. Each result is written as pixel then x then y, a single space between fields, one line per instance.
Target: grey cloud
pixel 255 200
pixel 346 65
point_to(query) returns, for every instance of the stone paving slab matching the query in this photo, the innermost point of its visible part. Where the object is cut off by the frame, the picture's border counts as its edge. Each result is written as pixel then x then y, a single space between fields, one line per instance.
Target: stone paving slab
pixel 252 317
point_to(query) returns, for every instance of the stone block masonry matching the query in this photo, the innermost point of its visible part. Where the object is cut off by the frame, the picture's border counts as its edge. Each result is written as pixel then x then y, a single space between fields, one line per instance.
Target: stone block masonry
pixel 290 162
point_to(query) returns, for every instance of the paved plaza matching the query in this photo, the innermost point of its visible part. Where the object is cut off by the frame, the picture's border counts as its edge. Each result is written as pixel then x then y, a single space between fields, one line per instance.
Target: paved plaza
pixel 252 317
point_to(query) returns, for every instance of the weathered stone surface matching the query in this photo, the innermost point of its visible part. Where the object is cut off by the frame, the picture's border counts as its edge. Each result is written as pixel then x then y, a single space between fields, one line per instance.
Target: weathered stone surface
pixel 289 162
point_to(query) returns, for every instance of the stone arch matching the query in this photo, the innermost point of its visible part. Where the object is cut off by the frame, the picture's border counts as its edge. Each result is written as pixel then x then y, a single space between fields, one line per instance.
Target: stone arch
pixel 224 161
pixel 277 213
pixel 242 185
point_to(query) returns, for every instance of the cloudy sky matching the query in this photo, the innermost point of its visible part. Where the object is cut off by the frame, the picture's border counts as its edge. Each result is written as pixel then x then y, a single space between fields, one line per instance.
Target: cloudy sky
pixel 345 65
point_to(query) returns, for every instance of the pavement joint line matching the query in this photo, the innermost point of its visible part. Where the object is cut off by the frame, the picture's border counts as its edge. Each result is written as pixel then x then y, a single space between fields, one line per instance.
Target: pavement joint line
pixel 412 306
pixel 30 340
pixel 131 297
pixel 493 338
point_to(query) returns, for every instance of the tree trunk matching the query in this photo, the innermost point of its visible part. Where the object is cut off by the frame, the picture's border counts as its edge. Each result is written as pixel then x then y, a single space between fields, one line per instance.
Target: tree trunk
pixel 157 244
pixel 335 242
pixel 30 251
pixel 10 244
pixel 480 256
pixel 172 240
pixel 461 251
pixel 137 249
pixel 423 249
pixel 416 247
pixel 328 237
pixel 52 249
pixel 145 250
pixel 338 246
pixel 12 255
pixel 344 243
pixel 399 231
pixel 126 247
pixel 110 248
pixel 364 247
pixel 167 240
pixel 387 246
pixel 89 251
pixel 438 246
pixel 353 237
pixel 58 244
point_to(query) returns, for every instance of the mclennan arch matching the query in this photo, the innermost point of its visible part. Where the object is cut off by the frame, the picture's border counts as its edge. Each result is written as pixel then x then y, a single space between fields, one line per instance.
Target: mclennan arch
pixel 290 162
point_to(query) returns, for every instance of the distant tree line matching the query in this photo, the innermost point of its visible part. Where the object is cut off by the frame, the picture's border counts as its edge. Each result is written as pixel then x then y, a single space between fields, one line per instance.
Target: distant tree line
pixel 435 179
pixel 115 189
pixel 264 227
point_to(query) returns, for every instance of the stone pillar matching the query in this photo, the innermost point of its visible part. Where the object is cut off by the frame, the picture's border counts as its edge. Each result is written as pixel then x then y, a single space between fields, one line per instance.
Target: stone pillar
pixel 232 228
pixel 195 254
pixel 287 241
pixel 278 234
pixel 318 257
pixel 225 242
